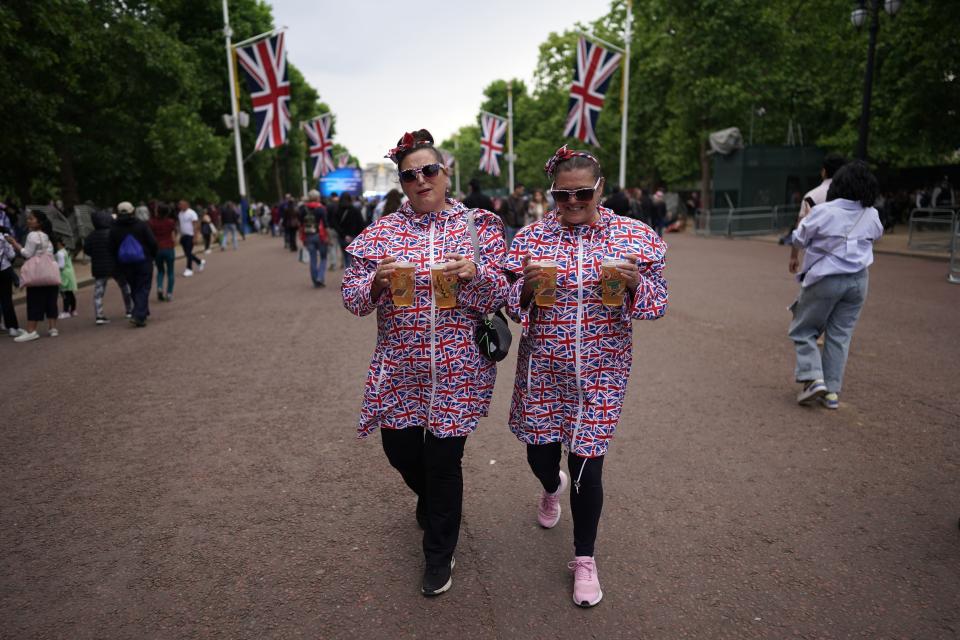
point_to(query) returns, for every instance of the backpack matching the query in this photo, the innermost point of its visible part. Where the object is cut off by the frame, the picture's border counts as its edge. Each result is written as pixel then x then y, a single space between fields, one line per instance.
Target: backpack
pixel 131 251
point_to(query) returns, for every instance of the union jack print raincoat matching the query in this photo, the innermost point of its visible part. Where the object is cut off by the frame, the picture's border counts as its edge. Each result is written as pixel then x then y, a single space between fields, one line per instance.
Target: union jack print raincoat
pixel 574 358
pixel 426 368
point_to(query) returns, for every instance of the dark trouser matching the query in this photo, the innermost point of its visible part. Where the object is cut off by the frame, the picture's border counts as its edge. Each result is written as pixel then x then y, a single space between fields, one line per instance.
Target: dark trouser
pixel 69 301
pixel 206 241
pixel 42 303
pixel 6 299
pixel 290 234
pixel 347 258
pixel 431 466
pixel 187 243
pixel 585 505
pixel 139 276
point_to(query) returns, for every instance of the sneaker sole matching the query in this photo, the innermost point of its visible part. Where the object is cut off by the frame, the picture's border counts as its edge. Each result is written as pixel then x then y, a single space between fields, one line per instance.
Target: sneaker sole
pixel 586 604
pixel 444 588
pixel 813 397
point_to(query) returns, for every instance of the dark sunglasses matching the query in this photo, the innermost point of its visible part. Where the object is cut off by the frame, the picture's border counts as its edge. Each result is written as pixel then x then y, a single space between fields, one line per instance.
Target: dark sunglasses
pixel 580 195
pixel 428 171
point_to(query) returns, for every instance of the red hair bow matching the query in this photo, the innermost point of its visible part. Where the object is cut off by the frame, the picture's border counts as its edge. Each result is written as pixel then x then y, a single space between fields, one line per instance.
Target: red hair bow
pixel 562 154
pixel 406 143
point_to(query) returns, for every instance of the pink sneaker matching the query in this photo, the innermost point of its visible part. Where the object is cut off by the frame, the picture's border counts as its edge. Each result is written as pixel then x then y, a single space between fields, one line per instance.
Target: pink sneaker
pixel 548 512
pixel 586 584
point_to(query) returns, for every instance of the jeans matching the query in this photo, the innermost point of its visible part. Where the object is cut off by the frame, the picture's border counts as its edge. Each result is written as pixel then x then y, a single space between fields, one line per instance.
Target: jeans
pixel 432 468
pixel 187 243
pixel 139 276
pixel 317 249
pixel 6 299
pixel 100 288
pixel 229 228
pixel 585 504
pixel 832 307
pixel 164 261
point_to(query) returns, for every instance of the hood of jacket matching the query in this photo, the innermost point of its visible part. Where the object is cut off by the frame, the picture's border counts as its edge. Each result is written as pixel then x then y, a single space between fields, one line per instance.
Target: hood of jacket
pixel 102 219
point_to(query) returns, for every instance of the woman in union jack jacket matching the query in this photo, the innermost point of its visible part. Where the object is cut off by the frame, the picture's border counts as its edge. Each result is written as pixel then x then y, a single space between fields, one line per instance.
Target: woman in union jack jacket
pixel 428 384
pixel 575 353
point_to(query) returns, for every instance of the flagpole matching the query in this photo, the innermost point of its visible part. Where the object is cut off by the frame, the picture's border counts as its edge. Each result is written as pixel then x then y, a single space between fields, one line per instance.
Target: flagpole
pixel 241 178
pixel 510 132
pixel 303 172
pixel 456 164
pixel 626 96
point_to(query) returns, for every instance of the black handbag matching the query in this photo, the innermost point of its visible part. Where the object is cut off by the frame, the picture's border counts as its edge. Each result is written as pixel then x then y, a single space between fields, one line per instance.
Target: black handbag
pixel 492 335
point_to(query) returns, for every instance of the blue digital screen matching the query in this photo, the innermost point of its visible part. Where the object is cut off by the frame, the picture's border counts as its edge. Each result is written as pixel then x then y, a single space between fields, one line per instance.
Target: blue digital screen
pixel 346 180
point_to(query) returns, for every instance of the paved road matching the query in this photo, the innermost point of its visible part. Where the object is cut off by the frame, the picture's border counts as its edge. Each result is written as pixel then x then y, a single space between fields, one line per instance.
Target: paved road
pixel 200 478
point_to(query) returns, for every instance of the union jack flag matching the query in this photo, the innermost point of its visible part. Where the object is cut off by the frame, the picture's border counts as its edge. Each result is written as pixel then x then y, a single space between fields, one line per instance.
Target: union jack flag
pixel 264 65
pixel 591 77
pixel 492 131
pixel 343 160
pixel 318 131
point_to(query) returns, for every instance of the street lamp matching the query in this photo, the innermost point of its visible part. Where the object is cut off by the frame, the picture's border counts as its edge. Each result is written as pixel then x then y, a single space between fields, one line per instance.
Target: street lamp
pixel 858 17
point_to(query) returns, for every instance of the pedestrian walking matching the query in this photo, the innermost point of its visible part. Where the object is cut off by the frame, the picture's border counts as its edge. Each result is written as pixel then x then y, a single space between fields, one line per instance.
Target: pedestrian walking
pixel 103 266
pixel 428 384
pixel 313 221
pixel 207 228
pixel 189 229
pixel 477 199
pixel 68 279
pixel 818 195
pixel 229 218
pixel 291 223
pixel 134 247
pixel 583 275
pixel 8 277
pixel 350 225
pixel 39 275
pixel 164 230
pixel 837 238
pixel 515 213
pixel 538 205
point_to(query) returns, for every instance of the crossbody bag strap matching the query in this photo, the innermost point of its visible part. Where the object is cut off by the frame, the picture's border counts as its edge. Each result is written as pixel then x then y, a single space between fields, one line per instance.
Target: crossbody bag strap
pixel 475 241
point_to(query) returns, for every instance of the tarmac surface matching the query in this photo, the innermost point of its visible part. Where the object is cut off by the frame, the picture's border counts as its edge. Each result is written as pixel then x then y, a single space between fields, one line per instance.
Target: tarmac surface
pixel 200 478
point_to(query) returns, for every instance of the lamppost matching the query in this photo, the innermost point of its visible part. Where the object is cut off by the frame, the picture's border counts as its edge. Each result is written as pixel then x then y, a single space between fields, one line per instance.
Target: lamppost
pixel 871 9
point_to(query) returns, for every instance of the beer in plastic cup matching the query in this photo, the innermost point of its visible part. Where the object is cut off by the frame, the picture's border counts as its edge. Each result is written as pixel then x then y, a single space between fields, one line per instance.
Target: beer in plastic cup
pixel 612 284
pixel 402 283
pixel 546 287
pixel 444 286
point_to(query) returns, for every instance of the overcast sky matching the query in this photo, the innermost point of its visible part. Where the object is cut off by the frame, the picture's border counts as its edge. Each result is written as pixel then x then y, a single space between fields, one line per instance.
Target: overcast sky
pixel 389 67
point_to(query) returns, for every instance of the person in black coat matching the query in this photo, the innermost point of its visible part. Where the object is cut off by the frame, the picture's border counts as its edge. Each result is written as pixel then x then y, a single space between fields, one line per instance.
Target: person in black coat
pixel 103 266
pixel 477 199
pixel 136 264
pixel 350 225
pixel 618 202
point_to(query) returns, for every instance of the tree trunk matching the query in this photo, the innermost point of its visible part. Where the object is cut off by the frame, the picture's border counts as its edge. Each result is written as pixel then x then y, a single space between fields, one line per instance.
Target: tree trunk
pixel 705 190
pixel 68 180
pixel 276 177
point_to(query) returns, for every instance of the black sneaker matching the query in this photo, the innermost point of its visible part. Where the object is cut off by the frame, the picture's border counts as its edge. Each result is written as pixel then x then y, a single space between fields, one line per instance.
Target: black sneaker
pixel 160 296
pixel 436 580
pixel 421 513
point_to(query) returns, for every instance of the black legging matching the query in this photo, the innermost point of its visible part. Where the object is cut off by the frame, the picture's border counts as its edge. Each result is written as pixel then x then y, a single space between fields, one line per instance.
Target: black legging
pixel 585 505
pixel 431 466
pixel 6 299
pixel 186 241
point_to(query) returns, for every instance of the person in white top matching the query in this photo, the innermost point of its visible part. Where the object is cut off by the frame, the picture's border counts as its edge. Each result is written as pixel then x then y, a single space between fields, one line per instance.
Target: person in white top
pixel 838 238
pixel 818 195
pixel 41 300
pixel 189 228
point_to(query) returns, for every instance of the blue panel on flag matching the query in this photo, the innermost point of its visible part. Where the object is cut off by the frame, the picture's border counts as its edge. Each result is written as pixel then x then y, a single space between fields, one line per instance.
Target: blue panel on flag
pixel 346 180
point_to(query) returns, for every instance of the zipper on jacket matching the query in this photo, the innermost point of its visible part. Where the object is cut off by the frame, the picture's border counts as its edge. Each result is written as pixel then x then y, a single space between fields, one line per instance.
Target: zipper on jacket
pixel 576 354
pixel 433 334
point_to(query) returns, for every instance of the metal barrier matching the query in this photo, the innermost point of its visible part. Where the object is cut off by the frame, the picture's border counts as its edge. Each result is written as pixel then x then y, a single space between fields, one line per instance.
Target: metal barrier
pixel 940 237
pixel 953 275
pixel 746 221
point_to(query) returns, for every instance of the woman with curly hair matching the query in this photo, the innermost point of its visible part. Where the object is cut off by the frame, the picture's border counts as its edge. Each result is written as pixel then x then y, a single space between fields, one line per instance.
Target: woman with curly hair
pixel 838 237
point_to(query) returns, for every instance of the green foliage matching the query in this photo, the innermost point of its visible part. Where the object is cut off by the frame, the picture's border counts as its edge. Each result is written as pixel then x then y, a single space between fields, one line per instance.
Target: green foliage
pixel 697 66
pixel 123 100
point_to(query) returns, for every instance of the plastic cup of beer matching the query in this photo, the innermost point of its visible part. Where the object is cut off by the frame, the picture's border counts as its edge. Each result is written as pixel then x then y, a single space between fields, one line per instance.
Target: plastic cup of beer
pixel 444 286
pixel 546 286
pixel 401 284
pixel 612 284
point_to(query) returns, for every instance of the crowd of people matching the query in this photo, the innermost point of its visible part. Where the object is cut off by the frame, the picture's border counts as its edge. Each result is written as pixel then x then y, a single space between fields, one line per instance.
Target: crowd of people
pixel 125 246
